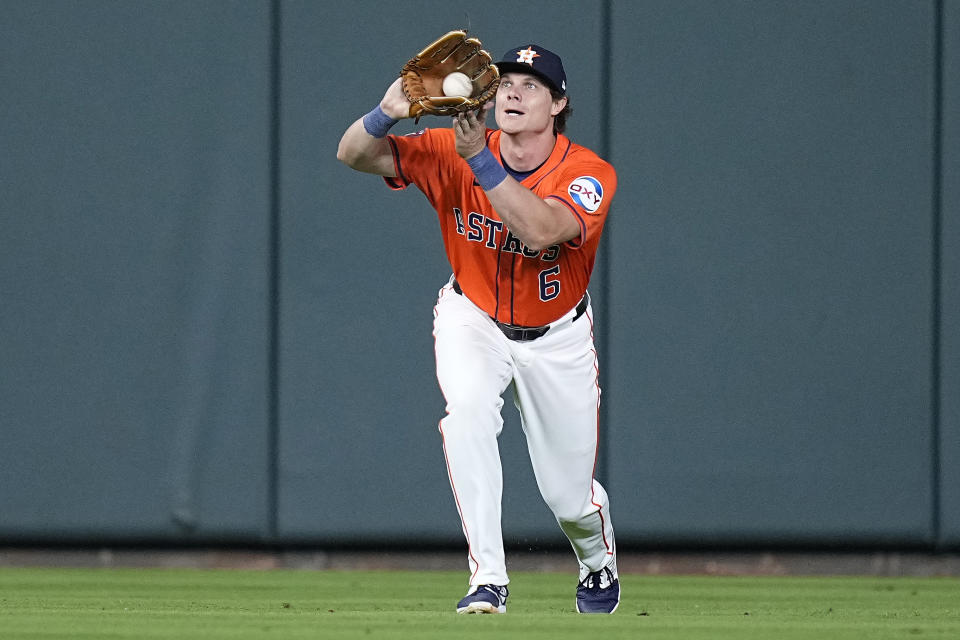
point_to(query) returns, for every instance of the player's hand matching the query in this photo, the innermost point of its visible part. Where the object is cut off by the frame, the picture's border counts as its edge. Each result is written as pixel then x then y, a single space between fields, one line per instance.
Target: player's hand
pixel 394 103
pixel 470 130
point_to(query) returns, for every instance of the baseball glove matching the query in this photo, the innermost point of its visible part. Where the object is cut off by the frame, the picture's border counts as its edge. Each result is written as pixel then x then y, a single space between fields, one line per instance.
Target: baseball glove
pixel 422 77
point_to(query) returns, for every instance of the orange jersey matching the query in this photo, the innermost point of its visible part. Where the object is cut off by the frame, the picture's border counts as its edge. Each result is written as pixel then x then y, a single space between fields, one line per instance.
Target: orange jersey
pixel 510 282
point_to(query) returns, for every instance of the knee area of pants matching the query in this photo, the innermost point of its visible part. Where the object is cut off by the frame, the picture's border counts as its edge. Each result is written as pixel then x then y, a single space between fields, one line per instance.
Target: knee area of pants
pixel 567 515
pixel 472 406
pixel 469 424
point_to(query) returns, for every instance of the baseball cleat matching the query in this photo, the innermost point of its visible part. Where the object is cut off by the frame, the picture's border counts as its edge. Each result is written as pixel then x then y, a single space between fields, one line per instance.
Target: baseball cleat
pixel 485 598
pixel 599 592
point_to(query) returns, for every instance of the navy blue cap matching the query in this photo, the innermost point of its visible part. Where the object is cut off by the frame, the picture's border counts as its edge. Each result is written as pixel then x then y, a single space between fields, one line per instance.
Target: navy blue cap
pixel 534 59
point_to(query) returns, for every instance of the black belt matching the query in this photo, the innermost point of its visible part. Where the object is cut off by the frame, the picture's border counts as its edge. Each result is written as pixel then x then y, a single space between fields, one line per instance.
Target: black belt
pixel 524 334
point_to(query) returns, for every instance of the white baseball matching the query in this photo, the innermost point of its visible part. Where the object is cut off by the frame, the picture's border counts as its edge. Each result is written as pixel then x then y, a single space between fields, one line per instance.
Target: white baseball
pixel 457 84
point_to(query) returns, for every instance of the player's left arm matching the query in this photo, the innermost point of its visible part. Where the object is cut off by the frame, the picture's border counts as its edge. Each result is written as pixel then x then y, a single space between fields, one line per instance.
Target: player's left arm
pixel 537 222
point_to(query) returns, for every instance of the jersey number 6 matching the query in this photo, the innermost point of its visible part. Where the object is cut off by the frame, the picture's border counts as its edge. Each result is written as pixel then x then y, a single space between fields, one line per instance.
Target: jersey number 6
pixel 549 289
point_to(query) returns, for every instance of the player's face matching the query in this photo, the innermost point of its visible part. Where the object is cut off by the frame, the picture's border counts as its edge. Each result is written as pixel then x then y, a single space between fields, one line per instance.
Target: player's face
pixel 524 104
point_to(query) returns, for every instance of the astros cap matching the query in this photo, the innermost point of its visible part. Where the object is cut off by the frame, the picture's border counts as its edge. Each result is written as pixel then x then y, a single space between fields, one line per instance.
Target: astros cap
pixel 534 59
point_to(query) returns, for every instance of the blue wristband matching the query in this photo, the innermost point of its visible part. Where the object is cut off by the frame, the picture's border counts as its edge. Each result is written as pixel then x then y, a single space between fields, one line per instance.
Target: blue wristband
pixel 377 123
pixel 488 171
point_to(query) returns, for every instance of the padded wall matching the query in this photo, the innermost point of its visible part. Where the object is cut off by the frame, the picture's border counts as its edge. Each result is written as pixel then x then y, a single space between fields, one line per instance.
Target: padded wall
pixel 211 330
pixel 134 322
pixel 949 324
pixel 772 289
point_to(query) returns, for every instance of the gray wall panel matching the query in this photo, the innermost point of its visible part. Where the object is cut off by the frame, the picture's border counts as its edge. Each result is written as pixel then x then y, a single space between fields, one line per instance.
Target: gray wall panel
pixel 765 330
pixel 360 454
pixel 950 282
pixel 771 293
pixel 133 328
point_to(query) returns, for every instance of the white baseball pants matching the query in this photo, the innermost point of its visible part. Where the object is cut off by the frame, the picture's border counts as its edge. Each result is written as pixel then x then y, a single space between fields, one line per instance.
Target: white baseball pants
pixel 557 393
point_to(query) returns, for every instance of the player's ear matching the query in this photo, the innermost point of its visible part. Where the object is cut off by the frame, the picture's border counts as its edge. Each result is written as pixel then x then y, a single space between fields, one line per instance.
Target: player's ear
pixel 558 105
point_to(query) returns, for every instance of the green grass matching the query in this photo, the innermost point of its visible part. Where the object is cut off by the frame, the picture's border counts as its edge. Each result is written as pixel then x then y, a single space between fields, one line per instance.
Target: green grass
pixel 194 603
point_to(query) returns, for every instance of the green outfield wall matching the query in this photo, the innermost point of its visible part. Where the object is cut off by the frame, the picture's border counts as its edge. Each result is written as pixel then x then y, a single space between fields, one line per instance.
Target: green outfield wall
pixel 213 332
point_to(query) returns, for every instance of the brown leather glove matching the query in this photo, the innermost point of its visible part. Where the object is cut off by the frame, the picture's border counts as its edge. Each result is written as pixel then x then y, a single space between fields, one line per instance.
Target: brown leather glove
pixel 422 77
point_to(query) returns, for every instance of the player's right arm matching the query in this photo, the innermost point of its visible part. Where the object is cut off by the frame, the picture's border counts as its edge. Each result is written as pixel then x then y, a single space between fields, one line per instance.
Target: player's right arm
pixel 362 151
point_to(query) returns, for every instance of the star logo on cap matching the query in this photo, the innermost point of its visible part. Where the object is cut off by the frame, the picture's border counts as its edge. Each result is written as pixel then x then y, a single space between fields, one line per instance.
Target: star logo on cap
pixel 527 55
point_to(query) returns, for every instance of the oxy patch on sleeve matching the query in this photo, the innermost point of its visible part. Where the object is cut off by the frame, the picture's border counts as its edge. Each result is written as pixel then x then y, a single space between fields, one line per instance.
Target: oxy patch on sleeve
pixel 586 192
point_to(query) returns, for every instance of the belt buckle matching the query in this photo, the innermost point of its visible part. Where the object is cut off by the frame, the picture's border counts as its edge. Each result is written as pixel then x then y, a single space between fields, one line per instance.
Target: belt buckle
pixel 522 334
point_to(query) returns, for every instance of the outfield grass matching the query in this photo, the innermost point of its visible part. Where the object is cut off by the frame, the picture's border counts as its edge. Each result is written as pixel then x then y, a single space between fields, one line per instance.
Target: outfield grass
pixel 194 603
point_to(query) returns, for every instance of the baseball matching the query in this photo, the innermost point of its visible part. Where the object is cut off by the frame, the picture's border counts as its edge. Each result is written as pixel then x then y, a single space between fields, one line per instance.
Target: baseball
pixel 457 84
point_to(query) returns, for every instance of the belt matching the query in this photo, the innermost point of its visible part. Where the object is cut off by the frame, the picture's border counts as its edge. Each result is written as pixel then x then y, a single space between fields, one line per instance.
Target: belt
pixel 525 334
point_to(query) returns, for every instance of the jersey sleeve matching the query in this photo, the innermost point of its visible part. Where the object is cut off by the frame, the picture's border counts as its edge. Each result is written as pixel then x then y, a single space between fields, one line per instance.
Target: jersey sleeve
pixel 415 158
pixel 586 187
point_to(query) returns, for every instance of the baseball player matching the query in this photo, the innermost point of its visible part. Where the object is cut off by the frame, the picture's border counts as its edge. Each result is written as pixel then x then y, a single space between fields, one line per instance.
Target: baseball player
pixel 521 210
